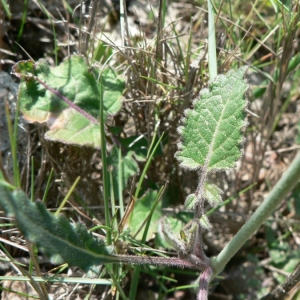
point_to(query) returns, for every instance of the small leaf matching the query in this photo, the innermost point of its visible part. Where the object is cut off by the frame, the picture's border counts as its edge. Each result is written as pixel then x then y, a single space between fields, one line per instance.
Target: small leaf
pixel 205 223
pixel 168 236
pixel 55 236
pixel 23 68
pixel 173 228
pixel 213 194
pixel 190 201
pixel 212 130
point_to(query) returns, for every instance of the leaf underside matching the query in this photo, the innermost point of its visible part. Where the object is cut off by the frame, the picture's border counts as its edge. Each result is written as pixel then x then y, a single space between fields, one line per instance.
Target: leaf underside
pixel 211 132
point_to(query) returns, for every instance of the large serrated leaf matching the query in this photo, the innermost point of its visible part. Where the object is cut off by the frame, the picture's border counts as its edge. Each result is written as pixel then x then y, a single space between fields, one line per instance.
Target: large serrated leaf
pixel 55 236
pixel 212 130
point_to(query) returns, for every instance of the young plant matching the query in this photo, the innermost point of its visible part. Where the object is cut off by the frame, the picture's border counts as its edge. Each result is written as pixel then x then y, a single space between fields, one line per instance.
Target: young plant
pixel 211 140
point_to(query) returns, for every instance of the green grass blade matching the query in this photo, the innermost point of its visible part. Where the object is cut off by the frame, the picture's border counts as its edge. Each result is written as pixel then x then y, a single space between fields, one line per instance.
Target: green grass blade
pixel 212 53
pixel 6 9
pixel 104 165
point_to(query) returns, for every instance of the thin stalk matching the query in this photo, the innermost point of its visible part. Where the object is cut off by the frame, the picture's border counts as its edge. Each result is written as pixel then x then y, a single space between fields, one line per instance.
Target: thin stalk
pixel 120 183
pixel 118 285
pixel 45 11
pixel 188 52
pixel 212 54
pixel 112 203
pixel 32 179
pixel 285 185
pixel 104 166
pixel 137 269
pixel 13 138
pixel 67 197
pixel 139 186
pixel 158 261
pixel 48 185
pixel 33 260
pixel 23 21
pixel 6 9
pixel 148 219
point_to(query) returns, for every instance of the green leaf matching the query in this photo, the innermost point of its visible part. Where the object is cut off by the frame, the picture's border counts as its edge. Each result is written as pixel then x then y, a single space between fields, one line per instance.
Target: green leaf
pixel 205 223
pixel 298 136
pixel 171 238
pixel 212 130
pixel 213 194
pixel 141 211
pixel 128 167
pixel 190 201
pixel 73 80
pixel 55 236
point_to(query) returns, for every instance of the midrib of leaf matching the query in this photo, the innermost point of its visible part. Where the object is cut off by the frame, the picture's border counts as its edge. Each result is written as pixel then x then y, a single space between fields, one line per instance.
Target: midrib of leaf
pixel 204 169
pixel 219 113
pixel 215 144
pixel 214 139
pixel 210 152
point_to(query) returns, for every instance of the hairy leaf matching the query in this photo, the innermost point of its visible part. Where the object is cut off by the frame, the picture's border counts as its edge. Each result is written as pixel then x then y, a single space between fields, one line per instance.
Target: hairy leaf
pixel 55 236
pixel 205 223
pixel 213 194
pixel 190 201
pixel 212 130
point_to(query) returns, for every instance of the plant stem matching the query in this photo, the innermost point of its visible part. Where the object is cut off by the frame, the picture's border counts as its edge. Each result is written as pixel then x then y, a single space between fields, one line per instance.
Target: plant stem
pixel 158 261
pixel 212 55
pixel 104 166
pixel 204 283
pixel 287 182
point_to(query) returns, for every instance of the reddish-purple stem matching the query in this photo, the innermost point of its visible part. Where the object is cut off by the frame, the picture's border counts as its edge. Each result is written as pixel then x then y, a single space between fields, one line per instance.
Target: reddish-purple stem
pixel 69 102
pixel 204 283
pixel 159 261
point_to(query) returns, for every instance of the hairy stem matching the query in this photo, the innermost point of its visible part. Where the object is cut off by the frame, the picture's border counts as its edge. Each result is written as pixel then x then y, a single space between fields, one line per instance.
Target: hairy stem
pixel 196 242
pixel 204 283
pixel 159 261
pixel 199 209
